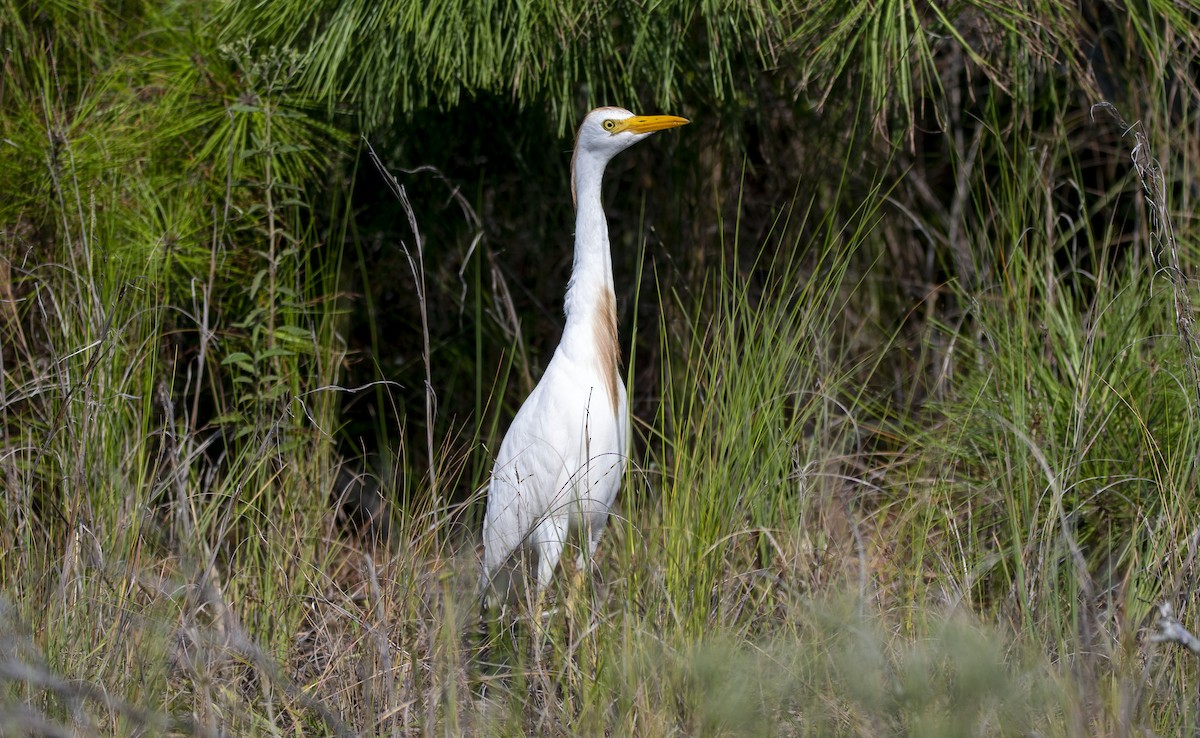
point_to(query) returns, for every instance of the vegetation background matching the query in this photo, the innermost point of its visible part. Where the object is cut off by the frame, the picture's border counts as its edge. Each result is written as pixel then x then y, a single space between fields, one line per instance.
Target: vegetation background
pixel 909 334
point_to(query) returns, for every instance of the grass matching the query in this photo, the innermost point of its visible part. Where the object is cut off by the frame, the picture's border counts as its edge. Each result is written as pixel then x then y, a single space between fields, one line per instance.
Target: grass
pixel 916 451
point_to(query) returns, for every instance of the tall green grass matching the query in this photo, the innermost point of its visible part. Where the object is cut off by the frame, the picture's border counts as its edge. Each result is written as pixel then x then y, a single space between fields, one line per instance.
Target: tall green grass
pixel 866 499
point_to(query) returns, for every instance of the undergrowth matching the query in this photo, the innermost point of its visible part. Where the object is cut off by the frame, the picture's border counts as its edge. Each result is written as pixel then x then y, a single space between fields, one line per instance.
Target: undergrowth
pixel 915 451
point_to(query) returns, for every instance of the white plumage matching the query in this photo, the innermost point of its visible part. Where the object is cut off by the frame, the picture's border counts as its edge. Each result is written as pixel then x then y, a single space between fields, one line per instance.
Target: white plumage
pixel 561 463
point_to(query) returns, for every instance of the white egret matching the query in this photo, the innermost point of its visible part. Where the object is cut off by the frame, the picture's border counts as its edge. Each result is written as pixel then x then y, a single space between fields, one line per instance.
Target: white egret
pixel 561 462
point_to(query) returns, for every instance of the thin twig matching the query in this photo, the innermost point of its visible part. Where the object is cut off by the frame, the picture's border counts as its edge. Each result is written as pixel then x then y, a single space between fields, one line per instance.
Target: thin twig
pixel 1162 237
pixel 205 331
pixel 418 271
pixel 1170 630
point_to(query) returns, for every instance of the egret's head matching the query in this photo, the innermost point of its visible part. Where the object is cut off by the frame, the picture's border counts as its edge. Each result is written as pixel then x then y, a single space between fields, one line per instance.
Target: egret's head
pixel 606 132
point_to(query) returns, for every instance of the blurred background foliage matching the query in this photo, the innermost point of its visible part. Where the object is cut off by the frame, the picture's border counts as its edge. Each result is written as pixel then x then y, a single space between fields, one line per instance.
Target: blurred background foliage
pixel 928 97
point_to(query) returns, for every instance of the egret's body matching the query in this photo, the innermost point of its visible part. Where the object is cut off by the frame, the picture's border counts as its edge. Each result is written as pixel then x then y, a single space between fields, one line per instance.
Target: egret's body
pixel 561 463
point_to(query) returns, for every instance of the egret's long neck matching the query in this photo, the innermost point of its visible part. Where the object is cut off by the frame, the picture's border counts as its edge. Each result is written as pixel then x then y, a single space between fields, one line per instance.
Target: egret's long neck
pixel 590 303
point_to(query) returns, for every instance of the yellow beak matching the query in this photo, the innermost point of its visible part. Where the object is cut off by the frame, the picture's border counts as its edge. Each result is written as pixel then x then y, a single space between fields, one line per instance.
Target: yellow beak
pixel 650 123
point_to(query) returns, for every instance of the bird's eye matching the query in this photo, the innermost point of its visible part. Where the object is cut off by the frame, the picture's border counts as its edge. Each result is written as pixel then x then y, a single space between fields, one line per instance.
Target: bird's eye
pixel 609 124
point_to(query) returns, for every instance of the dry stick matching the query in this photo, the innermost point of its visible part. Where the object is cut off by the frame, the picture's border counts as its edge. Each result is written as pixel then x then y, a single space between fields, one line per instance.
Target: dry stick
pixel 468 213
pixel 218 237
pixel 418 271
pixel 1170 630
pixel 505 312
pixel 24 721
pixel 205 331
pixel 1162 238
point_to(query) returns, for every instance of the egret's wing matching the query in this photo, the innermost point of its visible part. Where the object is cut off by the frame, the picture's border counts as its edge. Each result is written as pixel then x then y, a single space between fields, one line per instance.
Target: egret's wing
pixel 538 447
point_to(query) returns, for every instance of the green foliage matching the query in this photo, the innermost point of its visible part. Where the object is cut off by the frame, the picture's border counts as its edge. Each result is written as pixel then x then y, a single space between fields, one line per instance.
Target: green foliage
pixel 760 371
pixel 916 431
pixel 140 185
pixel 387 60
